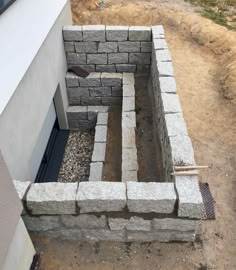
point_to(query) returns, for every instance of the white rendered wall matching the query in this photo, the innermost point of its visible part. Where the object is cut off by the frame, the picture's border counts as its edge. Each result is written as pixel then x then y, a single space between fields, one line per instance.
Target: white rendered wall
pixel 36 71
pixel 21 251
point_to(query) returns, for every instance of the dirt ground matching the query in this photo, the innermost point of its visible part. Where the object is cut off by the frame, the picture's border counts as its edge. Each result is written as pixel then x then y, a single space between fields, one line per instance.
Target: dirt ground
pixel 204 62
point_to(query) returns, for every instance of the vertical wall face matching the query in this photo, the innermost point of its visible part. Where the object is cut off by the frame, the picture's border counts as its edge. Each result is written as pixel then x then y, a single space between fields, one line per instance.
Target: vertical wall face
pixel 26 113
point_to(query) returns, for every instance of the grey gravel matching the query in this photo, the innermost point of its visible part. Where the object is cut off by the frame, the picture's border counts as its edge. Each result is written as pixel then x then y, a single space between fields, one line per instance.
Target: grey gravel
pixel 77 157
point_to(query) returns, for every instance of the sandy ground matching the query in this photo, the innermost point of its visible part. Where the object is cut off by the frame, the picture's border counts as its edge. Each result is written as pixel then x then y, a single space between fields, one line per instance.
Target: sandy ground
pixel 204 64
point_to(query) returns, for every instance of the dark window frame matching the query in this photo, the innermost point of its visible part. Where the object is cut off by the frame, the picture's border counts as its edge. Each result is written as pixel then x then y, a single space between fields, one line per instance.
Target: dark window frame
pixel 7 5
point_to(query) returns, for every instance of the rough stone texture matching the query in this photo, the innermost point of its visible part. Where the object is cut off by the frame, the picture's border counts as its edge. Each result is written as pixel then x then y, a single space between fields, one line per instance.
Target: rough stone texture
pixel 69 46
pixel 175 124
pixel 126 68
pixel 96 171
pixel 118 58
pixel 77 112
pixel 72 33
pixel 52 198
pixel 102 119
pixel 97 109
pixel 143 69
pixel 101 134
pixel 128 120
pixel 94 33
pixel 84 221
pixel 132 224
pixel 41 223
pixel 91 101
pixel 165 69
pixel 86 47
pixel 93 79
pixel 105 68
pixel 128 90
pixel 171 103
pixel 116 91
pixel 181 150
pixel 101 196
pixel 151 197
pixel 117 33
pixel 128 104
pixel 146 46
pixel 72 80
pixel 88 68
pixel 111 79
pixel 128 138
pixel 99 58
pixel 129 46
pixel 128 79
pixel 21 188
pixel 160 44
pixel 100 91
pixel 111 101
pixel 129 176
pixel 174 224
pixel 76 58
pixel 107 47
pixel 99 152
pixel 167 85
pixel 103 235
pixel 140 33
pixel 163 55
pixel 129 159
pixel 190 203
pixel 140 58
pixel 77 92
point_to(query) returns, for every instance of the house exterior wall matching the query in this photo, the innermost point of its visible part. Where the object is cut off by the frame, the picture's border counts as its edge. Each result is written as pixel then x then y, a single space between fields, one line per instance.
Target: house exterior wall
pixel 23 118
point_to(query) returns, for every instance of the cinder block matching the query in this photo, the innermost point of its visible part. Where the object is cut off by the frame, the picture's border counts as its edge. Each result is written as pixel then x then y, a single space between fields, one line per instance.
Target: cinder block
pixel 190 203
pixel 101 197
pixel 117 33
pixel 101 134
pixel 116 91
pixel 163 55
pixel 105 68
pixel 151 197
pixel 72 33
pixel 128 138
pixel 93 32
pixel 94 101
pixel 118 58
pixel 146 46
pixel 165 69
pixel 84 221
pixel 175 125
pixel 159 44
pixel 100 91
pixel 140 58
pixel 140 33
pixel 128 89
pixel 93 79
pixel 129 46
pixel 100 58
pixel 72 80
pixel 69 46
pixel 129 176
pixel 128 104
pixel 52 198
pixel 128 79
pixel 78 92
pixel 41 223
pixel 128 120
pixel 107 47
pixel 109 101
pixel 102 119
pixel 111 79
pixel 171 103
pixel 129 159
pixel 132 224
pixel 76 58
pixel 96 171
pixel 126 68
pixel 167 85
pixel 99 152
pixel 86 47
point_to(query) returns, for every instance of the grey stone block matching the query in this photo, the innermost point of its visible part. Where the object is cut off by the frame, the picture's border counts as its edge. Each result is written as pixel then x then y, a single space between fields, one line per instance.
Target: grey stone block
pixel 78 92
pixel 52 198
pixel 103 235
pixel 157 31
pixel 146 46
pixel 116 91
pixel 100 58
pixel 21 188
pixel 86 47
pixel 101 196
pixel 100 91
pixel 84 221
pixel 117 33
pixel 109 101
pixel 91 101
pixel 163 55
pixel 94 33
pixel 102 119
pixel 129 176
pixel 175 124
pixel 151 197
pixel 69 46
pixel 140 33
pixel 72 33
pixel 107 47
pixel 129 159
pixel 190 203
pixel 165 69
pixel 88 68
pixel 81 125
pixel 143 69
pixel 73 99
pixel 174 224
pixel 101 134
pixel 76 58
pixel 129 46
pixel 93 79
pixel 98 109
pixel 181 150
pixel 160 44
pixel 118 58
pixel 132 224
pixel 167 85
pixel 99 152
pixel 128 138
pixel 140 58
pixel 72 80
pixel 128 78
pixel 128 89
pixel 126 68
pixel 171 103
pixel 77 112
pixel 96 171
pixel 128 104
pixel 41 223
pixel 128 120
pixel 105 68
pixel 111 79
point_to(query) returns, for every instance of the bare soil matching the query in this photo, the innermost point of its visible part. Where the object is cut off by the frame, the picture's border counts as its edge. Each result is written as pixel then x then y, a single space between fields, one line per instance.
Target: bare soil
pixel 205 69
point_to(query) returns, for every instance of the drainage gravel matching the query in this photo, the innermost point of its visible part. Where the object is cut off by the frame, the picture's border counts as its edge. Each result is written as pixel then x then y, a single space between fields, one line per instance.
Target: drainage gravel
pixel 77 157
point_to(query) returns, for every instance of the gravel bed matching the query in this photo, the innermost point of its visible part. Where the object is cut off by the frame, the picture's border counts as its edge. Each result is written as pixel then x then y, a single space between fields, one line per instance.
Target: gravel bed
pixel 77 157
